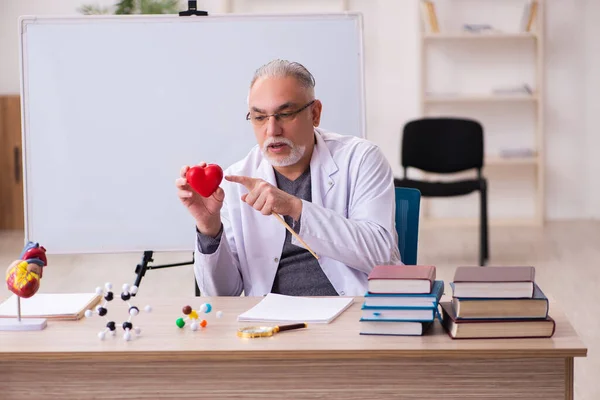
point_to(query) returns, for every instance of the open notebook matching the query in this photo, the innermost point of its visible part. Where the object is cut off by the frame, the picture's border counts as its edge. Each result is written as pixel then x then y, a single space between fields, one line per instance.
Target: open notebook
pixel 280 308
pixel 57 306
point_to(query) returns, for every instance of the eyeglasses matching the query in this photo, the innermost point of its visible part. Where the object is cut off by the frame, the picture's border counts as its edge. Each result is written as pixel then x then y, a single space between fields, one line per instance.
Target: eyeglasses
pixel 262 119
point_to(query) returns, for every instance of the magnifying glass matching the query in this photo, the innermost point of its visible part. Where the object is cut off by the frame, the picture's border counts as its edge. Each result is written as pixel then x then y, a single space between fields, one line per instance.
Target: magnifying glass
pixel 263 331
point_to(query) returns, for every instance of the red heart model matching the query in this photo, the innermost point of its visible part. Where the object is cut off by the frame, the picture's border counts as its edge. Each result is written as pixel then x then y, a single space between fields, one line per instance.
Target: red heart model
pixel 205 180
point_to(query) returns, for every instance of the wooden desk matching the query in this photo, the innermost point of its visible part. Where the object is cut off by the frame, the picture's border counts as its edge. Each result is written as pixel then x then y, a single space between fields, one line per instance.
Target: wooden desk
pixel 68 361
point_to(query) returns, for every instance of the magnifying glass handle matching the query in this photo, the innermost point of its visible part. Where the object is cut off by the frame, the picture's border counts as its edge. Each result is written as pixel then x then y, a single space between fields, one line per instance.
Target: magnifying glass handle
pixel 282 328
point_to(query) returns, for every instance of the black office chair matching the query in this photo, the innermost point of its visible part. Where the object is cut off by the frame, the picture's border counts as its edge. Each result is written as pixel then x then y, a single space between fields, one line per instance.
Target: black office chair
pixel 447 145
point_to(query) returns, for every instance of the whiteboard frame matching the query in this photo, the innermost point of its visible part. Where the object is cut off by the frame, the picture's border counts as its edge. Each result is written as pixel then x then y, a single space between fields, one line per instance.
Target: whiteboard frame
pixel 25 20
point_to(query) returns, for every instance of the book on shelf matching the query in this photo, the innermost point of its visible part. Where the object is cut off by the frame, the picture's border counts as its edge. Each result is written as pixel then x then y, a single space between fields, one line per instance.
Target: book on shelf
pixel 523 152
pixel 480 29
pixel 494 328
pixel 524 89
pixel 407 279
pixel 493 282
pixel 496 308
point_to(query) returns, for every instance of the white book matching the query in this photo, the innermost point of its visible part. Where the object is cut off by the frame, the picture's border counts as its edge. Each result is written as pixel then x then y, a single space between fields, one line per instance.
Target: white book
pixel 66 306
pixel 280 308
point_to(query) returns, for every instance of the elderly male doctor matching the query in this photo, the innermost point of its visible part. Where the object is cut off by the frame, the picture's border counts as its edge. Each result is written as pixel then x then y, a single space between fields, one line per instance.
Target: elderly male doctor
pixel 336 192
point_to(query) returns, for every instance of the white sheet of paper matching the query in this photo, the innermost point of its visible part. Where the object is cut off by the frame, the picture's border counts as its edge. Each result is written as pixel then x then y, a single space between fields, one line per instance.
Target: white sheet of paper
pixel 47 304
pixel 280 308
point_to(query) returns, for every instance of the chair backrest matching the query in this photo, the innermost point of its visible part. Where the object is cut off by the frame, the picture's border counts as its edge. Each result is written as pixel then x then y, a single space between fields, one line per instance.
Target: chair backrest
pixel 442 145
pixel 408 203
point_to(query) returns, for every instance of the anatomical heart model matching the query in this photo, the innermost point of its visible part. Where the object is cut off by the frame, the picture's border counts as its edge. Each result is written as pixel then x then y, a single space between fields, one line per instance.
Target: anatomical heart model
pixel 23 279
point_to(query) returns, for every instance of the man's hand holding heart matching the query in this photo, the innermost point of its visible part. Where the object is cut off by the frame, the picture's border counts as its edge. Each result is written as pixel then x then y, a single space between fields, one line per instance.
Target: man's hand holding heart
pixel 199 191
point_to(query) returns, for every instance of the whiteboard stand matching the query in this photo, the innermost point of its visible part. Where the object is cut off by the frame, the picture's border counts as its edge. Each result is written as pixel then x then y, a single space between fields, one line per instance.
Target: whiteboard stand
pixel 192 10
pixel 143 266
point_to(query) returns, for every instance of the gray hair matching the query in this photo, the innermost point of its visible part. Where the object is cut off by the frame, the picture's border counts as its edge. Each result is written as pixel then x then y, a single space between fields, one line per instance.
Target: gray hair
pixel 284 68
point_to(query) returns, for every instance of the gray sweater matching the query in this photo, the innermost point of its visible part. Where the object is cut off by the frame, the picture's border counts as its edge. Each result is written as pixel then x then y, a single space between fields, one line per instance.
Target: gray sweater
pixel 298 273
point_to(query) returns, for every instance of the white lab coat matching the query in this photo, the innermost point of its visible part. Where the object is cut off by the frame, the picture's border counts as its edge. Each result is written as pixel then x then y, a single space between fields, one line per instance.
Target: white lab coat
pixel 349 224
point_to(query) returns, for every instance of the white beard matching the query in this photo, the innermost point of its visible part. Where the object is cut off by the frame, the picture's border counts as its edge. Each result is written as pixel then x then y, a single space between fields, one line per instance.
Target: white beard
pixel 296 152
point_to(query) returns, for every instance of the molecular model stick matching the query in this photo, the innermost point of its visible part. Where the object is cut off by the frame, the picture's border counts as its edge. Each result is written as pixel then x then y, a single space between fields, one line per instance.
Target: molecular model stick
pixel 192 315
pixel 101 310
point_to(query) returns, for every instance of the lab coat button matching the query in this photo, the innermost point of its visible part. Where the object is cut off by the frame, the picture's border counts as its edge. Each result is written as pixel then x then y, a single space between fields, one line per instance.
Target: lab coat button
pixel 342 293
pixel 330 183
pixel 276 259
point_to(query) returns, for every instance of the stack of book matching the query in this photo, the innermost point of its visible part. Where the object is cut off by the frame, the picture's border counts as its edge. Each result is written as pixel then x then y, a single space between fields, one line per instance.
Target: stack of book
pixel 401 300
pixel 496 302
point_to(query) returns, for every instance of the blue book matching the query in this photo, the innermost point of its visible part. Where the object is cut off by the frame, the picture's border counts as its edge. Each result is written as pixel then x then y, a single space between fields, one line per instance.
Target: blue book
pixel 387 328
pixel 398 314
pixel 429 300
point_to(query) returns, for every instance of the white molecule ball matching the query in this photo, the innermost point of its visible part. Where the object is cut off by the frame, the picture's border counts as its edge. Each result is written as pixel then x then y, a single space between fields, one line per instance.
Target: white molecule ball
pixel 133 311
pixel 127 335
pixel 194 326
pixel 203 308
pixel 88 313
pixel 137 330
pixel 108 286
pixel 134 289
pixel 148 309
pixel 219 314
pixel 126 287
pixel 101 335
pixel 98 290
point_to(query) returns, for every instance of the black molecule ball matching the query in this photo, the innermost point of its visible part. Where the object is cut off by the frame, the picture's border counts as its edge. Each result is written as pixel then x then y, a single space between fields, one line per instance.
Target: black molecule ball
pixel 125 296
pixel 102 311
pixel 111 325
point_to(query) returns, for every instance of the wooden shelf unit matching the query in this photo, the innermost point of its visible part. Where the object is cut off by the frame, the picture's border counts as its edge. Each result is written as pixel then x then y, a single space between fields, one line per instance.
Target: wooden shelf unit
pixel 429 99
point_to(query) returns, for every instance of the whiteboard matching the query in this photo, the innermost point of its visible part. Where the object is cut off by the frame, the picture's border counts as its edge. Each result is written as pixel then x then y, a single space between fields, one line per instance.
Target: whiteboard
pixel 113 106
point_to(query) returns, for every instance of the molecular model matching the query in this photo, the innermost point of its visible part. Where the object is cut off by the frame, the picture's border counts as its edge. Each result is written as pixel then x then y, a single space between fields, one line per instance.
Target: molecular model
pixel 101 310
pixel 192 315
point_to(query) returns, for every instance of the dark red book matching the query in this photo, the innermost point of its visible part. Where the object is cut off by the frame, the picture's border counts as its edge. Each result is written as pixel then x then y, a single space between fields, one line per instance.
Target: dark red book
pixel 399 279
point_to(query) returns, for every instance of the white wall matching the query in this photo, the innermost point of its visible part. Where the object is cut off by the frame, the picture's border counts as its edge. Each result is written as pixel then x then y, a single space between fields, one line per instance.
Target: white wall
pixel 592 108
pixel 392 77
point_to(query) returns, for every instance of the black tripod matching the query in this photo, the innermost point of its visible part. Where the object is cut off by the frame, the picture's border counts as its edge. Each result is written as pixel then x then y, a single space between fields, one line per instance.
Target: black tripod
pixel 143 266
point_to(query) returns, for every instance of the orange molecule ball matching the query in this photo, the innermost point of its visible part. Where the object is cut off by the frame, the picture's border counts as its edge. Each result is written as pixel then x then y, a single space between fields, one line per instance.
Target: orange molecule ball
pixel 203 323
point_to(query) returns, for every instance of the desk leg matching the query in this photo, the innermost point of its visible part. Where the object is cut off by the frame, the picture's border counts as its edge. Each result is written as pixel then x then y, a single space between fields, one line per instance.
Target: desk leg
pixel 569 374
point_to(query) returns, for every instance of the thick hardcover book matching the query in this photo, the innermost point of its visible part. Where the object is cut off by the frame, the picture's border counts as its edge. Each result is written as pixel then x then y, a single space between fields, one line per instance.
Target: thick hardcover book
pixel 401 279
pixel 494 328
pixel 486 308
pixel 496 282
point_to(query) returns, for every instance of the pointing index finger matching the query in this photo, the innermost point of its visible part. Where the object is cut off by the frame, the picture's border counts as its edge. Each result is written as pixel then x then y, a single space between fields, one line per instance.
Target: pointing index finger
pixel 244 180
